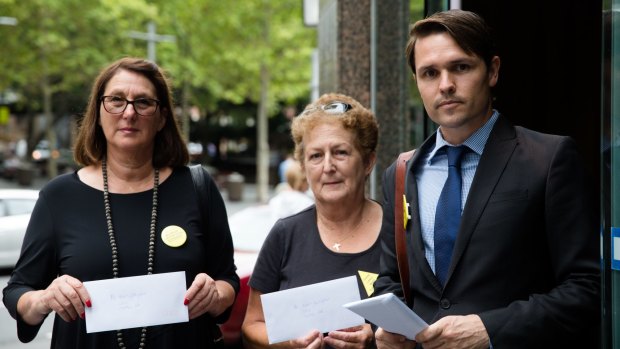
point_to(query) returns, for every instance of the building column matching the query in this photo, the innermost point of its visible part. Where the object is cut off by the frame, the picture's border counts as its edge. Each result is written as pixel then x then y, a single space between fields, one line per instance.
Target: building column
pixel 362 54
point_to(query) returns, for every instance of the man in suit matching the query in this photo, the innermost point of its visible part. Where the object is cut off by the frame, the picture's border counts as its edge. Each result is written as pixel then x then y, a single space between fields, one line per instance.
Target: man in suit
pixel 517 265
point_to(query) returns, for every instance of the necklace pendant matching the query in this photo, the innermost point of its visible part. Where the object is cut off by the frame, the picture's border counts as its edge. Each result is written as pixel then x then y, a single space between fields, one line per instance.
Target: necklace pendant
pixel 336 246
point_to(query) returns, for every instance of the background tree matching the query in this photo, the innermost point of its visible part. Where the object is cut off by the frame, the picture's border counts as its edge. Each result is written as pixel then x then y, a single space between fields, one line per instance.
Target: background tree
pixel 59 46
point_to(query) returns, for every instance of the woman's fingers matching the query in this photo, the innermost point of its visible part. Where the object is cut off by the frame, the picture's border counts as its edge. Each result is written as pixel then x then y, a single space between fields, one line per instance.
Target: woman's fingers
pixel 66 296
pixel 201 295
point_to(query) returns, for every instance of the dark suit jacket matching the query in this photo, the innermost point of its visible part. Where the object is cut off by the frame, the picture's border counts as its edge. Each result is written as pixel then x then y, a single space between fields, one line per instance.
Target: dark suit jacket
pixel 526 255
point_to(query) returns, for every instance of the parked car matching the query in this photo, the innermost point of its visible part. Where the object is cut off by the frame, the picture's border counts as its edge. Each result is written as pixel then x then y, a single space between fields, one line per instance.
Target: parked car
pixel 249 228
pixel 16 205
pixel 42 151
pixel 9 167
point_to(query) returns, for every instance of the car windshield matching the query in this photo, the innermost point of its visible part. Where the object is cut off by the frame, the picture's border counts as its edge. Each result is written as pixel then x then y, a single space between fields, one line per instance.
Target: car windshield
pixel 12 207
pixel 250 226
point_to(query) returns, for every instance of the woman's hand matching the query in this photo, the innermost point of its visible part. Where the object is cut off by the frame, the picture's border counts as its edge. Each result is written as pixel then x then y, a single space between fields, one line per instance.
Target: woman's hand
pixel 206 295
pixel 358 337
pixel 314 340
pixel 254 330
pixel 66 296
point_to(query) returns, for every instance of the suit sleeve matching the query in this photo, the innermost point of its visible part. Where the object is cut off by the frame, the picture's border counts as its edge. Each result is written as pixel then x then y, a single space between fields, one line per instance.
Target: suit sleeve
pixel 571 308
pixel 389 279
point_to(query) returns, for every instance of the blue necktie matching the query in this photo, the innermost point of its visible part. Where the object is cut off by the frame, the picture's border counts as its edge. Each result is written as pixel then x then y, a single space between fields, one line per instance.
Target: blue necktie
pixel 448 214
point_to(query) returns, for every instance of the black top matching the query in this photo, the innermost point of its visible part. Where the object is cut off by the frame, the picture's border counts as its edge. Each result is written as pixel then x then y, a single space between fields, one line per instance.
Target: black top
pixel 293 255
pixel 67 234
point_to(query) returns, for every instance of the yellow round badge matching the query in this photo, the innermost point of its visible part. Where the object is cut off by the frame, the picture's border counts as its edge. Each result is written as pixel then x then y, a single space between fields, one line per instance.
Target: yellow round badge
pixel 173 236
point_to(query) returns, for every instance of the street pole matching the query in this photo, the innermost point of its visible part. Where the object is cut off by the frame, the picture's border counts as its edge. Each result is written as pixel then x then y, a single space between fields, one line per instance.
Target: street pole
pixel 152 38
pixel 8 21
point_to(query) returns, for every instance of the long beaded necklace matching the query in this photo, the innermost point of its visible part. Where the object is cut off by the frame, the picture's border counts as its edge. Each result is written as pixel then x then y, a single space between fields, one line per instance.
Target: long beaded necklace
pixel 151 258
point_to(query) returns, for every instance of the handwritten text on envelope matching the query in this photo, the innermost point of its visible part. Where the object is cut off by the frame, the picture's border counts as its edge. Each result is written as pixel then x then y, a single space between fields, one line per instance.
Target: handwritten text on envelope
pixel 136 301
pixel 293 313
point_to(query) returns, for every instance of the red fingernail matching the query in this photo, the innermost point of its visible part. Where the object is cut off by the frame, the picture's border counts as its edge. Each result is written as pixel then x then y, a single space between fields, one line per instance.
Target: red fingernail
pixel 186 301
pixel 83 316
pixel 88 304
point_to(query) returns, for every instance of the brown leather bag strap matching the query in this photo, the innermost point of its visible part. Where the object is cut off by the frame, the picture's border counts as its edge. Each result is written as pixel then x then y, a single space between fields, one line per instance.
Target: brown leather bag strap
pixel 399 223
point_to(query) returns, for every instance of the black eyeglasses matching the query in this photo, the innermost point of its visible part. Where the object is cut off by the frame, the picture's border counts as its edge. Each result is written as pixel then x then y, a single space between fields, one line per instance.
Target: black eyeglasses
pixel 142 106
pixel 335 108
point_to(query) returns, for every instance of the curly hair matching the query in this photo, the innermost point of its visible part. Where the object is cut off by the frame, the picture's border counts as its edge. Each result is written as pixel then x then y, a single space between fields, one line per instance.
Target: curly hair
pixel 358 120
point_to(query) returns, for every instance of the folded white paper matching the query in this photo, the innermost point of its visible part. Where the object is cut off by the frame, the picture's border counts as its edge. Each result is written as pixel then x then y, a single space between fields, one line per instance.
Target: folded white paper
pixel 136 301
pixel 293 313
pixel 389 313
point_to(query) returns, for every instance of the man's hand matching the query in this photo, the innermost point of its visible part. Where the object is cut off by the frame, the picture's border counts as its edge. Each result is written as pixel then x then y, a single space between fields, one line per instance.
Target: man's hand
pixel 388 340
pixel 462 332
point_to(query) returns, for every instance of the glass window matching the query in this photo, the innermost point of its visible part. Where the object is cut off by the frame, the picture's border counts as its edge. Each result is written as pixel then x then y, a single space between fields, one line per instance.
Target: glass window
pixel 19 206
pixel 12 207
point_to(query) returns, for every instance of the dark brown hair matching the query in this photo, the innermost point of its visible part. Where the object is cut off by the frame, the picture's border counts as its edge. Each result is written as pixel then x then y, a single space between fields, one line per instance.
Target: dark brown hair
pixel 468 29
pixel 169 147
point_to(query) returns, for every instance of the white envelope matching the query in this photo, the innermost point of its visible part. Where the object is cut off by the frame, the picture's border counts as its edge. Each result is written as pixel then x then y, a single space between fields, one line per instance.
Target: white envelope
pixel 389 313
pixel 136 301
pixel 293 313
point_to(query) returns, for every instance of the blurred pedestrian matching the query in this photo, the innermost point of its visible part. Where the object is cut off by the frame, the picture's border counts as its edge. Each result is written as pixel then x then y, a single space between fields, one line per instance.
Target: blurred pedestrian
pixel 335 142
pixel 294 198
pixel 130 210
pixel 283 166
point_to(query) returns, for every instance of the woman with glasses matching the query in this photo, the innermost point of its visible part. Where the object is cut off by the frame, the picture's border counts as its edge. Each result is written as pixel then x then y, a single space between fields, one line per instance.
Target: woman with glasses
pixel 335 142
pixel 131 210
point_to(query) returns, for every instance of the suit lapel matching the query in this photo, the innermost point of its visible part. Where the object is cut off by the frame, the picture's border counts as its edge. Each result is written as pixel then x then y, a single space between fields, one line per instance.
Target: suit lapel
pixel 415 243
pixel 497 152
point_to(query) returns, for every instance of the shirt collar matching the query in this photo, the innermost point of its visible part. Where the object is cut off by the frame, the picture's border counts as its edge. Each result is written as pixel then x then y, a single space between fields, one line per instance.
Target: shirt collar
pixel 475 142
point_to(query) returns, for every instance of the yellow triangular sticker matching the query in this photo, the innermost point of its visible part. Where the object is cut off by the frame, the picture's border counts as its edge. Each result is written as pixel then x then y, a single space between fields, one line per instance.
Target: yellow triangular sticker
pixel 368 280
pixel 406 215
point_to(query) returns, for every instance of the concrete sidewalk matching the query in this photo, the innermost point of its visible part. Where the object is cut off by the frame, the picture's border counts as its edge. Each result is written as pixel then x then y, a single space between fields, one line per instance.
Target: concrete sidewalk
pixel 249 196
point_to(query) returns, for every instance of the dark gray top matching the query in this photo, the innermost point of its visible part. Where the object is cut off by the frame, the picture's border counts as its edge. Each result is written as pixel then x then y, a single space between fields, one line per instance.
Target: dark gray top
pixel 293 255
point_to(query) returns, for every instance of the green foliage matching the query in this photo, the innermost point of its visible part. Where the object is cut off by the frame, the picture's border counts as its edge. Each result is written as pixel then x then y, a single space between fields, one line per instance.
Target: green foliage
pixel 219 48
pixel 416 10
pixel 416 13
